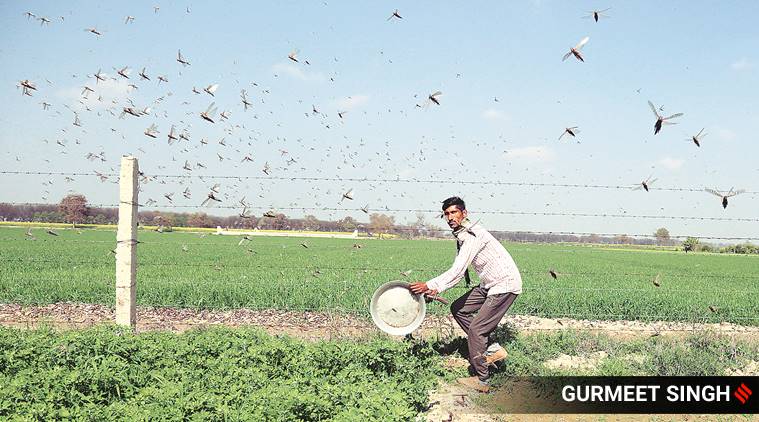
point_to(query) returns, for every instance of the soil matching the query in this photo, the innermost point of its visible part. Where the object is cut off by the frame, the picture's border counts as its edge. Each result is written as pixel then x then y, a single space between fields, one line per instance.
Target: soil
pixel 578 363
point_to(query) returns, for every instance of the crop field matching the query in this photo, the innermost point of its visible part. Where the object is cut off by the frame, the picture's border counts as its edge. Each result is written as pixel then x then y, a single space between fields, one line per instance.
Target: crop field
pixel 217 272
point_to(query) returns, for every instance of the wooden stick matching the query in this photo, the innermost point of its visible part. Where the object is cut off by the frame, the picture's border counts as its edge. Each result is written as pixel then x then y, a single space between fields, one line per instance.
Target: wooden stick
pixel 438 298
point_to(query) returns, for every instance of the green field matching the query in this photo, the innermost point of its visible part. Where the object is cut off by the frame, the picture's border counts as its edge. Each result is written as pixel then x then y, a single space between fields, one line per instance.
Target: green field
pixel 210 271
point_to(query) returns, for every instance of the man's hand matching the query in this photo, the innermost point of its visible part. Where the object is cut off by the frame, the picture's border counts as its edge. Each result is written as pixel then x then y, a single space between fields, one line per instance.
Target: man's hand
pixel 418 288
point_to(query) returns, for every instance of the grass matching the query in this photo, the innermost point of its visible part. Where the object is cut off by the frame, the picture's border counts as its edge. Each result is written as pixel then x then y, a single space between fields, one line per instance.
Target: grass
pixel 701 353
pixel 207 271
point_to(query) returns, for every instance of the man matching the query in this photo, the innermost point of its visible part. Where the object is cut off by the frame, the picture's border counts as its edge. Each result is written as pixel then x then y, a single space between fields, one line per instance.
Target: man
pixel 479 311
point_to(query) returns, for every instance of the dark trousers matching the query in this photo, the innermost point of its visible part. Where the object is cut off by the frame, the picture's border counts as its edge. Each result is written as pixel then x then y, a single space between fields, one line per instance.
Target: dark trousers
pixel 478 315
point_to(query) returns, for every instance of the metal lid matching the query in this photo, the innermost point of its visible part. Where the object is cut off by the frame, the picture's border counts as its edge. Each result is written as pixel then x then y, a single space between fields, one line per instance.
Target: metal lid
pixel 395 310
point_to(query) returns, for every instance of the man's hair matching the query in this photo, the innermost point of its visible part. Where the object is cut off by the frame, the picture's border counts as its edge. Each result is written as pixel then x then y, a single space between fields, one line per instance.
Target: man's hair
pixel 454 200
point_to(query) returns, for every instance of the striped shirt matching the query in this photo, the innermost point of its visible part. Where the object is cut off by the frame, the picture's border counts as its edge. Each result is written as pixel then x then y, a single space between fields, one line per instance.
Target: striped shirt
pixel 497 270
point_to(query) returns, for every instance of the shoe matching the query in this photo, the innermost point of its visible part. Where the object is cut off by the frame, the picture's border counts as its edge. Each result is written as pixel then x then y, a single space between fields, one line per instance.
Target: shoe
pixel 474 383
pixel 496 356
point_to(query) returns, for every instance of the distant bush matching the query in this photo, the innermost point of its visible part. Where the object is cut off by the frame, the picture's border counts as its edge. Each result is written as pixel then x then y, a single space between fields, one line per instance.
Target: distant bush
pixel 691 244
pixel 741 248
pixel 47 217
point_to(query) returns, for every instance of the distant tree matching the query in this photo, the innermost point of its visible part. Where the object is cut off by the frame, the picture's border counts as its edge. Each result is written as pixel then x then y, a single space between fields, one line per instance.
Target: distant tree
pixel 7 212
pixel 741 248
pixel 74 208
pixel 420 225
pixel 347 224
pixel 690 244
pixel 102 215
pixel 280 222
pixel 180 220
pixel 296 224
pixel 99 219
pixel 199 219
pixel 662 236
pixel 263 223
pixel 310 222
pixel 593 238
pixel 248 223
pixel 165 221
pixel 381 223
pixel 47 217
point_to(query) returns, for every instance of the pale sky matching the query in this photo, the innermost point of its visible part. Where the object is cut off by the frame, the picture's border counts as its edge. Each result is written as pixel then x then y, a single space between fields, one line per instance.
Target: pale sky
pixel 506 98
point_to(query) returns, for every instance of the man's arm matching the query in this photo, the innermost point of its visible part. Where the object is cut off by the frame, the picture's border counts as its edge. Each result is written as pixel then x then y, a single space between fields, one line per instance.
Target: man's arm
pixel 465 256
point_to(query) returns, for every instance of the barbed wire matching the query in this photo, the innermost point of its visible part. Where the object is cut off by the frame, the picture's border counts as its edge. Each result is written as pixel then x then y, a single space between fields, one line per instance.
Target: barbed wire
pixel 497 212
pixel 428 211
pixel 56 173
pixel 38 240
pixel 363 230
pixel 369 180
pixel 422 231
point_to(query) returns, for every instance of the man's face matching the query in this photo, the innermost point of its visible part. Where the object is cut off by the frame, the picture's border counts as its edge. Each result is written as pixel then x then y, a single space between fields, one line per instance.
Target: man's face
pixel 454 216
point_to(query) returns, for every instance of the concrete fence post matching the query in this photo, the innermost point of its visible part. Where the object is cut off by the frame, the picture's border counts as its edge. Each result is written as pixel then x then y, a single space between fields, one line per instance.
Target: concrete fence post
pixel 126 244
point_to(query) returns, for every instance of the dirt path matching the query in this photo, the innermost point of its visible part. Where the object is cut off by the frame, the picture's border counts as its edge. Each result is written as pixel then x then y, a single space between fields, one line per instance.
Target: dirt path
pixel 326 325
pixel 452 402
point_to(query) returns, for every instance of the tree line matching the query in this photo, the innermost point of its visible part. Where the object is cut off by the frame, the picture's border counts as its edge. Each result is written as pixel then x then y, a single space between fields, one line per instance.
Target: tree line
pixel 74 209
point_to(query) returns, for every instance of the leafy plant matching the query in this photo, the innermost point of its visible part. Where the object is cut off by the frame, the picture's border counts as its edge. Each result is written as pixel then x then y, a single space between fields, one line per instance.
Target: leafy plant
pixel 214 374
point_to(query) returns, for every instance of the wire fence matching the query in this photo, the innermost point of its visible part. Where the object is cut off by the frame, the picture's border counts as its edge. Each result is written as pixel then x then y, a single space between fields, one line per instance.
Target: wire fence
pixel 372 180
pixel 436 212
pixel 363 235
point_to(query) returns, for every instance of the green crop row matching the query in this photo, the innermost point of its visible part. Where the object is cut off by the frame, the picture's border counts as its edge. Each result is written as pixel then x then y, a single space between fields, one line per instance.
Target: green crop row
pixel 210 271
